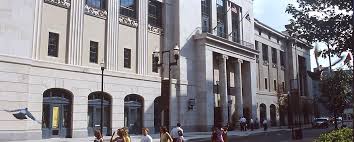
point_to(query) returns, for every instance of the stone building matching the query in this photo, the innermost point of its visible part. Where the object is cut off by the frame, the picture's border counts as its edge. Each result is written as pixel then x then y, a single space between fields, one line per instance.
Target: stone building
pixel 52 52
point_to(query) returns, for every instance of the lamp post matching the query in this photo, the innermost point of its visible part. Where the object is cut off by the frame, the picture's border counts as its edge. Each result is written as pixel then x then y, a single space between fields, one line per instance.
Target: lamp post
pixel 102 97
pixel 156 57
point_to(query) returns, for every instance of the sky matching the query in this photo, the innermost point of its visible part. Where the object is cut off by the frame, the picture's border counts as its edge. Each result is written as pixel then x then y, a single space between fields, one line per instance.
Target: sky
pixel 272 13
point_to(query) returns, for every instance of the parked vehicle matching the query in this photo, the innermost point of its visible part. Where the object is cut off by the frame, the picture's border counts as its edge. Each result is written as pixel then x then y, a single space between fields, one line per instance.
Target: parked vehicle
pixel 321 122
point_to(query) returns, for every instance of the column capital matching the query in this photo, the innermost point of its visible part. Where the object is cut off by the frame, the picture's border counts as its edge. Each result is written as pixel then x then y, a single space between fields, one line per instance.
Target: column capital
pixel 240 61
pixel 222 57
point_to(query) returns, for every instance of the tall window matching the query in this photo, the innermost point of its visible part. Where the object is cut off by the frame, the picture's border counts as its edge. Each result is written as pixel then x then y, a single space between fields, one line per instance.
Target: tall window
pixel 205 15
pixel 155 13
pixel 266 83
pixel 128 8
pixel 98 4
pixel 274 56
pixel 221 18
pixel 93 52
pixel 265 52
pixel 256 45
pixel 154 66
pixel 235 23
pixel 275 85
pixel 53 44
pixel 282 58
pixel 127 58
pixel 283 86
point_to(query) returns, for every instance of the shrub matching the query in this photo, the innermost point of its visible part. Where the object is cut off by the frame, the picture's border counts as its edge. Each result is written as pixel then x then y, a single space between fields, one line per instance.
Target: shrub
pixel 341 135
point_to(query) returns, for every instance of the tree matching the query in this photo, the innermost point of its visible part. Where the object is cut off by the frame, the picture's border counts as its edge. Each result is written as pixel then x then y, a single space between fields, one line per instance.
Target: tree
pixel 335 91
pixel 328 21
pixel 282 102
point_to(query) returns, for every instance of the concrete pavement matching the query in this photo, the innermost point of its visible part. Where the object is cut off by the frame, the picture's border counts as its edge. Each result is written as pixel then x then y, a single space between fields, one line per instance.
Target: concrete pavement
pixel 189 136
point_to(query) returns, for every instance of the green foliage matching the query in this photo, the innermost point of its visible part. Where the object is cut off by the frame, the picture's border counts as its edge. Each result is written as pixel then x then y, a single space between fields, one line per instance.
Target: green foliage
pixel 335 89
pixel 328 21
pixel 341 135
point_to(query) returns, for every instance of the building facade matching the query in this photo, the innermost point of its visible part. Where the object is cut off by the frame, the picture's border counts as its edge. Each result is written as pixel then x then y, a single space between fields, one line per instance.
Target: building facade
pixel 52 53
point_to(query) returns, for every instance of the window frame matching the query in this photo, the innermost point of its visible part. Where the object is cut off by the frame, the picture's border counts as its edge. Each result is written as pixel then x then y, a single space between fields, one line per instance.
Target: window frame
pixel 93 53
pixel 93 4
pixel 221 18
pixel 265 51
pixel 128 11
pixel 127 58
pixel 266 83
pixel 155 19
pixel 274 55
pixel 53 46
pixel 205 9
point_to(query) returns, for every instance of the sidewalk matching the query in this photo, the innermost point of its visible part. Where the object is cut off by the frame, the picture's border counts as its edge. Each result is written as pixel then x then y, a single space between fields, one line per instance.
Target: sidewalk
pixel 156 137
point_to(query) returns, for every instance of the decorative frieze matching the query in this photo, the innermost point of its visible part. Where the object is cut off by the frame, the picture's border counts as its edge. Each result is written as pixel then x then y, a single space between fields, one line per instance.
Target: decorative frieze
pixel 155 30
pixel 128 21
pixel 60 3
pixel 95 12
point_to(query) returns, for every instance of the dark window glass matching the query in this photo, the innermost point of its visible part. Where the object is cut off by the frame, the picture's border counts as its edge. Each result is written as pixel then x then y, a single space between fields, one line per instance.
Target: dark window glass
pixel 256 45
pixel 283 86
pixel 275 85
pixel 127 58
pixel 235 23
pixel 282 58
pixel 98 4
pixel 221 18
pixel 128 8
pixel 155 13
pixel 93 52
pixel 265 52
pixel 266 83
pixel 53 44
pixel 205 15
pixel 274 56
pixel 46 116
pixel 154 66
pixel 259 32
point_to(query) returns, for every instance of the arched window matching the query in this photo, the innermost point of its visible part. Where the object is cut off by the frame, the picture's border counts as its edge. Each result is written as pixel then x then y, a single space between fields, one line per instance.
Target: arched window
pixel 262 112
pixel 133 113
pixel 57 113
pixel 94 112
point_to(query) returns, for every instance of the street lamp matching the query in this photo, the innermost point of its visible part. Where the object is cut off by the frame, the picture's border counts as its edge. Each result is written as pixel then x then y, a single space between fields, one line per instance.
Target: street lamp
pixel 156 58
pixel 102 64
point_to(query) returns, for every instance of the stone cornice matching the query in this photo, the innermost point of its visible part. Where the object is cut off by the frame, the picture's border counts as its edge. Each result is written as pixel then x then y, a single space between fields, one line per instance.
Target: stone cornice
pixel 95 12
pixel 155 30
pixel 60 3
pixel 128 21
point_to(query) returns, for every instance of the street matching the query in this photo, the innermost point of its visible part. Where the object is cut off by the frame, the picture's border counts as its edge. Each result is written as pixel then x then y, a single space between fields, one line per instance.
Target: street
pixel 279 136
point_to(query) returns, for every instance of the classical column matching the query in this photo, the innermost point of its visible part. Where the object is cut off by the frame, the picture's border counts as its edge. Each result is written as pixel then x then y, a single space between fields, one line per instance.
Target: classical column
pixel 112 34
pixel 37 29
pixel 223 88
pixel 142 51
pixel 238 89
pixel 76 32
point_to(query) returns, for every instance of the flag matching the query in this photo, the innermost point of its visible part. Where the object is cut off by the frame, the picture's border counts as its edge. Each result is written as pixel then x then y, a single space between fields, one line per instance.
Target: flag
pixel 347 59
pixel 248 17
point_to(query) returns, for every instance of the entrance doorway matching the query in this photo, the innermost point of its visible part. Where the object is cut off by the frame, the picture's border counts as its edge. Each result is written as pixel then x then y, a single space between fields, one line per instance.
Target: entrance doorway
pixel 57 112
pixel 262 113
pixel 273 115
pixel 133 113
pixel 94 113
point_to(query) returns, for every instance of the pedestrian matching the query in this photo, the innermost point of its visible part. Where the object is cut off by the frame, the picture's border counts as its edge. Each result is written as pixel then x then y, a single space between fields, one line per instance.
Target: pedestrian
pixel 146 137
pixel 174 132
pixel 125 135
pixel 164 135
pixel 180 138
pixel 251 124
pixel 241 124
pixel 243 120
pixel 119 137
pixel 224 134
pixel 265 125
pixel 98 136
pixel 219 134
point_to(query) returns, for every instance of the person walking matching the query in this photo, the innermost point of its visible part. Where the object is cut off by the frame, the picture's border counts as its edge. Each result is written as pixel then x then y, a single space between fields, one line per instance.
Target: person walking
pixel 243 120
pixel 125 135
pixel 98 136
pixel 180 138
pixel 164 135
pixel 119 137
pixel 146 137
pixel 251 124
pixel 174 132
pixel 265 125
